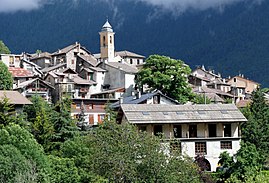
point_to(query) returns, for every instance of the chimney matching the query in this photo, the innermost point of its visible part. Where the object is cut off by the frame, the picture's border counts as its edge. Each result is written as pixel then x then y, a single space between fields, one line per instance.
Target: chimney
pixel 138 94
pixel 120 100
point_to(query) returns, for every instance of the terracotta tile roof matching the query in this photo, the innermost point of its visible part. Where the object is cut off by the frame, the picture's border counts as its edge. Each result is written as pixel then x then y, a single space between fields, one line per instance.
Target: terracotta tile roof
pixel 20 72
pixel 14 97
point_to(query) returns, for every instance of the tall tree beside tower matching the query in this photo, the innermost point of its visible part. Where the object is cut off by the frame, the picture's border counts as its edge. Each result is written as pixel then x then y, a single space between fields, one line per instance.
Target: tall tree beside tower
pixel 167 75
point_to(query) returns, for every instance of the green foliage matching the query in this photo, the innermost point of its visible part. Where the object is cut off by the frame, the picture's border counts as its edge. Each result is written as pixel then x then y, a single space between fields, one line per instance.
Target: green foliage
pixel 167 75
pixel 6 112
pixel 119 153
pixel 29 161
pixel 256 130
pixel 201 99
pixel 63 170
pixel 64 126
pixel 51 125
pixel 3 48
pixel 6 81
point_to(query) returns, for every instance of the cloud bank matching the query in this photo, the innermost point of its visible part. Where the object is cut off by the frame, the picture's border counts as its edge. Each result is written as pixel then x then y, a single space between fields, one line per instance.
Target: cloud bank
pixel 20 5
pixel 175 6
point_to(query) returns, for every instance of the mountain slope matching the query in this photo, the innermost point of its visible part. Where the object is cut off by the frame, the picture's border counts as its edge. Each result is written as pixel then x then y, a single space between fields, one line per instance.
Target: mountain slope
pixel 233 41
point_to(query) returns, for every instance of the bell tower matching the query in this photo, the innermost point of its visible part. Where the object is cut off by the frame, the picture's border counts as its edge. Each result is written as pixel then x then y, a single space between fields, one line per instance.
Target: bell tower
pixel 107 48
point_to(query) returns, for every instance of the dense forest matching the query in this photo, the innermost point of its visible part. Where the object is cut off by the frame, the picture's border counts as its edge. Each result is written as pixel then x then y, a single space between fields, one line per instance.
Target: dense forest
pixel 229 41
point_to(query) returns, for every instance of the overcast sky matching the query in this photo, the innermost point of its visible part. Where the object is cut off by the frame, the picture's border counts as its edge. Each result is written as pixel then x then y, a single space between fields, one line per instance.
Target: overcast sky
pixel 171 5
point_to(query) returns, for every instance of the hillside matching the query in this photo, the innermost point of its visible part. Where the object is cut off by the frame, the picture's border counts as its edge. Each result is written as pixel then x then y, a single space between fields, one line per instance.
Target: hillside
pixel 231 41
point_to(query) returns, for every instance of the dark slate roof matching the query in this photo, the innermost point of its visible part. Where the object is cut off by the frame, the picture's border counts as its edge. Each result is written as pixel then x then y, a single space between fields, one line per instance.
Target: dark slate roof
pixel 41 55
pixel 68 48
pixel 218 81
pixel 81 81
pixel 98 69
pixel 202 113
pixel 48 69
pixel 27 83
pixel 126 53
pixel 90 59
pixel 202 90
pixel 144 97
pixel 14 97
pixel 123 66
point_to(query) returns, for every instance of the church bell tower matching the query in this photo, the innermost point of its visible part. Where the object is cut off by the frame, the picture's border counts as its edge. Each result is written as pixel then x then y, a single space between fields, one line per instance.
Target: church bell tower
pixel 107 48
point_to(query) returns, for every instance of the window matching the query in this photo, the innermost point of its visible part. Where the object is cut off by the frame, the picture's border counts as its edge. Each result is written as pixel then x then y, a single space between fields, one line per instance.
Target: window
pixel 91 119
pixel 212 130
pixel 138 61
pixel 156 99
pixel 227 130
pixel 235 80
pixel 11 60
pixel 179 113
pixel 226 144
pixel 145 113
pixel 158 129
pixel 200 148
pixel 131 61
pixel 72 61
pixel 193 131
pixel 104 41
pixel 142 128
pixel 77 106
pixel 165 113
pixel 101 118
pixel 110 39
pixel 201 112
pixel 90 76
pixel 177 131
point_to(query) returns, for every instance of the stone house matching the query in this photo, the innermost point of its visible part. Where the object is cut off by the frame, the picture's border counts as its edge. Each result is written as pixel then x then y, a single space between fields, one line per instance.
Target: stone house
pixel 197 130
pixel 35 86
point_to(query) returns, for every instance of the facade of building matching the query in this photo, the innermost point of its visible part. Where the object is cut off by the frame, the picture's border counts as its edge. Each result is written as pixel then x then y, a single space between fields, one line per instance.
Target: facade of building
pixel 198 130
pixel 35 86
pixel 93 108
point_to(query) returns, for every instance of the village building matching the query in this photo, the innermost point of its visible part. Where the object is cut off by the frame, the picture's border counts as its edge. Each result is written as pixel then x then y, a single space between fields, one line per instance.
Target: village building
pixel 155 97
pixel 42 59
pixel 94 109
pixel 11 60
pixel 69 55
pixel 242 87
pixel 197 130
pixel 15 99
pixel 35 86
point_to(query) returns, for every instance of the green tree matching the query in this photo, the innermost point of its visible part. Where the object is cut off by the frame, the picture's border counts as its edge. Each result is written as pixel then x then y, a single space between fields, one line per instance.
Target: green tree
pixel 201 99
pixel 63 170
pixel 3 48
pixel 6 81
pixel 22 159
pixel 64 126
pixel 6 112
pixel 39 115
pixel 119 153
pixel 167 75
pixel 256 129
